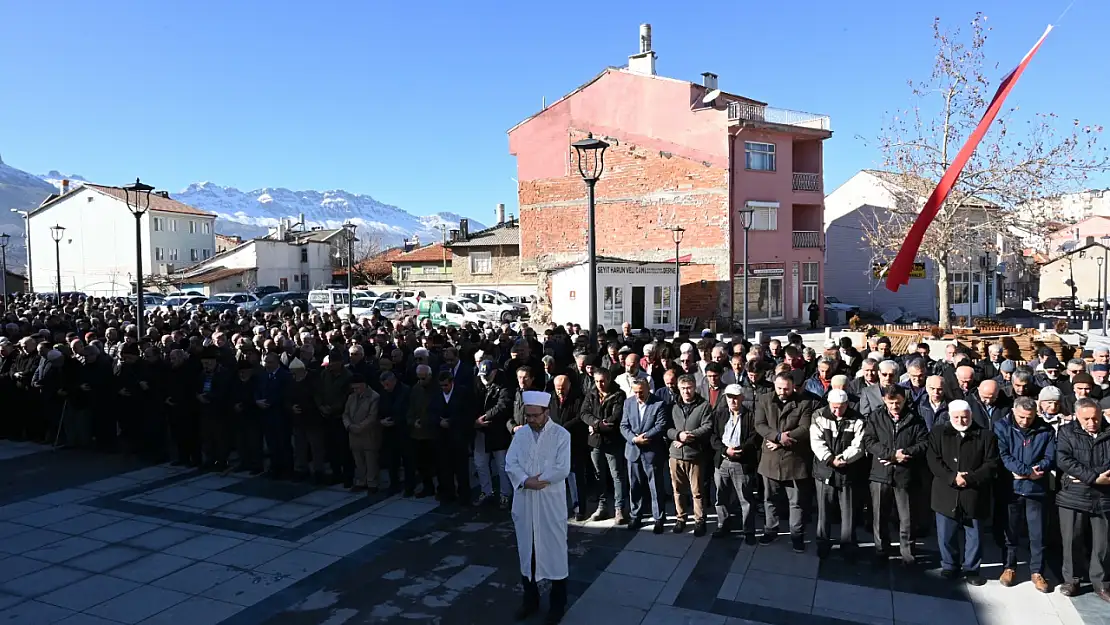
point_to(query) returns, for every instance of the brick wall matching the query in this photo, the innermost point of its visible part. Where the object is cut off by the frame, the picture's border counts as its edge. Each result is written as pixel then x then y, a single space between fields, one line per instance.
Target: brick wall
pixel 642 192
pixel 505 263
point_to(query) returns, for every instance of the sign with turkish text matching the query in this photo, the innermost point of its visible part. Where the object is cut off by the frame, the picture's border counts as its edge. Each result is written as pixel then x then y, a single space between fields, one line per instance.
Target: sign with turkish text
pixel 878 271
pixel 631 270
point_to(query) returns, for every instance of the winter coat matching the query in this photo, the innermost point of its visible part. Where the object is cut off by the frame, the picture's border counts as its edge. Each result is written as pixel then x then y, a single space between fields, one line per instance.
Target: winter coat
pixel 394 405
pixel 974 452
pixel 814 385
pixel 332 390
pixel 696 418
pixel 421 427
pixel 1082 456
pixel 753 391
pixel 882 438
pixel 986 416
pixel 302 395
pixel 1021 450
pixel 496 401
pixel 932 417
pixel 752 443
pixel 568 413
pixel 361 418
pixel 604 416
pixel 459 413
pixel 793 416
pixel 832 438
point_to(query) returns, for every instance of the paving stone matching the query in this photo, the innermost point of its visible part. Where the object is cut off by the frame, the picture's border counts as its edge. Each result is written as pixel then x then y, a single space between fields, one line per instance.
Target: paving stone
pixel 203 546
pixel 108 558
pixel 138 605
pixel 33 613
pixel 197 577
pixel 151 567
pixel 88 592
pixel 42 581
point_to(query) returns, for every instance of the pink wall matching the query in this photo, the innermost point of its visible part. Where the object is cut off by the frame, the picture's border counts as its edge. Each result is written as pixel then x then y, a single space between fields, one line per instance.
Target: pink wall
pixel 650 110
pixel 1096 227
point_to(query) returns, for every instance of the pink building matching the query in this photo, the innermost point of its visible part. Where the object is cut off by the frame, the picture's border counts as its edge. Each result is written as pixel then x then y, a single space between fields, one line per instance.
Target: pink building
pixel 683 154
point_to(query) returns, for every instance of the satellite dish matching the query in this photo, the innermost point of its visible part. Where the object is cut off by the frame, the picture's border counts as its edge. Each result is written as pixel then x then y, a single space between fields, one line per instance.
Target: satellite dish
pixel 712 95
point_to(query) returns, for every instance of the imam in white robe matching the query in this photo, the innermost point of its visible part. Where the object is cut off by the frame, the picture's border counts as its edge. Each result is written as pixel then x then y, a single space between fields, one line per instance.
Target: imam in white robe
pixel 540 516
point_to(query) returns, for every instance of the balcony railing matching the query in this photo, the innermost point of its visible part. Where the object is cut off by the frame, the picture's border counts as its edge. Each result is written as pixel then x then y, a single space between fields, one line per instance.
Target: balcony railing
pixel 807 182
pixel 806 239
pixel 747 111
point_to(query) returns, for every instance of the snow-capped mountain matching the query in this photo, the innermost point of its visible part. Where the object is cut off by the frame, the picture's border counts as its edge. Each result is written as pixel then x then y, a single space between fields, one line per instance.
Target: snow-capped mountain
pixel 19 191
pixel 250 213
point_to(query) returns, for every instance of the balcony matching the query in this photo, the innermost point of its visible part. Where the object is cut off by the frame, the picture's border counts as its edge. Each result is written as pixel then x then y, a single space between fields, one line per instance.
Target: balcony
pixel 804 239
pixel 807 182
pixel 746 111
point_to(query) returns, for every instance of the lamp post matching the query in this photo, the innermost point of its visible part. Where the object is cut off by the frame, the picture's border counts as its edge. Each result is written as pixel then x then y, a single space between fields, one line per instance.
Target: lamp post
pixel 4 267
pixel 747 214
pixel 1099 287
pixel 676 234
pixel 27 247
pixel 137 198
pixel 349 228
pixel 1105 291
pixel 590 154
pixel 56 233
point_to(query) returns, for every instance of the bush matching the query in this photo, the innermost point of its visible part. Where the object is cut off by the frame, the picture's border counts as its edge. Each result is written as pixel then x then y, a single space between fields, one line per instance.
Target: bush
pixel 936 332
pixel 855 322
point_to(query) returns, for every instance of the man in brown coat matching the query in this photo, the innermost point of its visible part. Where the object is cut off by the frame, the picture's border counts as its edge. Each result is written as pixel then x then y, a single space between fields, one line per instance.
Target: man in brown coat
pixel 783 418
pixel 364 429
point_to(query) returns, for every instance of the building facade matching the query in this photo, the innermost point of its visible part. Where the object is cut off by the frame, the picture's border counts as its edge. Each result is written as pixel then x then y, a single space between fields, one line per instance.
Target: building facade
pixel 288 265
pixel 687 155
pixel 1083 267
pixel 96 253
pixel 427 269
pixel 636 292
pixel 491 258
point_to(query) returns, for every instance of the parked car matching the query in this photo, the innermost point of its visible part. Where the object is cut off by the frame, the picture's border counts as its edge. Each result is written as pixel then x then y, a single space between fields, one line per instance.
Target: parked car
pixel 360 307
pixel 447 311
pixel 190 293
pixel 283 302
pixel 493 300
pixel 403 293
pixel 1058 304
pixel 149 299
pixel 263 291
pixel 328 300
pixel 396 309
pixel 223 302
pixel 833 303
pixel 182 302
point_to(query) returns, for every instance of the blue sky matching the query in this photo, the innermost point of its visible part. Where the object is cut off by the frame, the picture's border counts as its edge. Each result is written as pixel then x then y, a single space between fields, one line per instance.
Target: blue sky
pixel 410 101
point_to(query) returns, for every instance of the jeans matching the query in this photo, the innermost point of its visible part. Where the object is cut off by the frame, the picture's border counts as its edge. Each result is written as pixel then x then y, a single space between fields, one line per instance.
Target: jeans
pixel 947 529
pixel 881 499
pixel 846 497
pixel 1029 512
pixel 777 494
pixel 1075 526
pixel 481 465
pixel 612 476
pixel 732 482
pixel 645 480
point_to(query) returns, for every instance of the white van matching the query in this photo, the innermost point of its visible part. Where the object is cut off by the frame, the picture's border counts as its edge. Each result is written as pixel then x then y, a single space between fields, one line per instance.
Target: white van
pixel 496 301
pixel 328 300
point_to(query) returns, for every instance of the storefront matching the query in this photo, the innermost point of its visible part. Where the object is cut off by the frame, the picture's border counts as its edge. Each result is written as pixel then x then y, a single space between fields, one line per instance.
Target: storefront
pixel 766 293
pixel 639 293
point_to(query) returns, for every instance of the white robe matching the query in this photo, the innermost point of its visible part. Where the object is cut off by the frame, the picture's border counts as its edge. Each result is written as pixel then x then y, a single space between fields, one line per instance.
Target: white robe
pixel 540 516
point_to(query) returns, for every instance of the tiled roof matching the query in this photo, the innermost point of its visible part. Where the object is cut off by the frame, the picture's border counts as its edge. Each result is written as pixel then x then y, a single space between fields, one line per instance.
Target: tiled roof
pixel 427 254
pixel 215 274
pixel 315 235
pixel 507 233
pixel 157 202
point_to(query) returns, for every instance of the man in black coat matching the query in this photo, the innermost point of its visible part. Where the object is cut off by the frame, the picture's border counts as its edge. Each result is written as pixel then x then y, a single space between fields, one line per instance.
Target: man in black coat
pixel 1083 459
pixel 491 436
pixel 452 410
pixel 393 405
pixel 964 461
pixel 180 402
pixel 736 449
pixel 602 411
pixel 566 410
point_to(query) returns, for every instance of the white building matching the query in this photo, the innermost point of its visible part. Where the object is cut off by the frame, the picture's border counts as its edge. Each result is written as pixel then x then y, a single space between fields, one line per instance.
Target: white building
pixel 96 253
pixel 637 292
pixel 853 276
pixel 288 265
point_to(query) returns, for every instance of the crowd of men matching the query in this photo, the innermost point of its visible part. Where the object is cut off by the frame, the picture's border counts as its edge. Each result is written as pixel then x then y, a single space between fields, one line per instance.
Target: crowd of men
pixel 957 444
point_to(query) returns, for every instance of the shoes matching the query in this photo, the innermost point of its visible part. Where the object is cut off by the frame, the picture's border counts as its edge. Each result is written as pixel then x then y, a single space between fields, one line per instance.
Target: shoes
pixel 372 490
pixel 393 490
pixel 949 573
pixel 553 617
pixel 504 502
pixel 621 519
pixel 658 528
pixel 424 492
pixel 768 537
pixel 300 476
pixel 798 544
pixel 581 517
pixel 721 532
pixel 599 515
pixel 699 529
pixel 408 492
pixel 749 539
pixel 908 559
pixel 1007 577
pixel 1103 594
pixel 1070 589
pixel 973 578
pixel 355 488
pixel 635 524
pixel 1040 583
pixel 348 484
pixel 483 499
pixel 679 526
pixel 823 550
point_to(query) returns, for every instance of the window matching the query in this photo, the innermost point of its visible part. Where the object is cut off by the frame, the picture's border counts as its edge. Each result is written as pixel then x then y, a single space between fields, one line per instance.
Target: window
pixel 159 254
pixel 159 224
pixel 662 306
pixel 406 272
pixel 192 227
pixel 759 156
pixel 453 308
pixel 612 307
pixel 173 225
pixel 957 282
pixel 304 254
pixel 173 253
pixel 765 215
pixel 304 280
pixel 193 256
pixel 206 228
pixel 481 263
pixel 810 281
pixel 207 254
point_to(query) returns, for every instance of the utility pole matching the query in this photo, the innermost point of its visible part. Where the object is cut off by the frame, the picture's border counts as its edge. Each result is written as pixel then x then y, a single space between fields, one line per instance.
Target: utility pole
pixel 443 232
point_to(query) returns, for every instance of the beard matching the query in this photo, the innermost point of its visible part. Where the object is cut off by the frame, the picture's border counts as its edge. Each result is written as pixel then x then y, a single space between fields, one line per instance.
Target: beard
pixel 960 428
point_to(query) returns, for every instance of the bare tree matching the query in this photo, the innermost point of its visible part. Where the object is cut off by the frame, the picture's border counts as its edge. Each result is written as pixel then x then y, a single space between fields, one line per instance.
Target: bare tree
pixel 1022 161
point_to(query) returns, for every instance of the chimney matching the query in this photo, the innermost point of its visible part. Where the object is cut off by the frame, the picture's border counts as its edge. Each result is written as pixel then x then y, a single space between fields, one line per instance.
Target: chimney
pixel 454 234
pixel 165 194
pixel 709 81
pixel 500 214
pixel 464 229
pixel 644 61
pixel 65 187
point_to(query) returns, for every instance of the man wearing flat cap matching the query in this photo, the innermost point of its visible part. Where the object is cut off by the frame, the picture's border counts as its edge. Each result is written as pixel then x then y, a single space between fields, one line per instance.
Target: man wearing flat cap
pixel 538 463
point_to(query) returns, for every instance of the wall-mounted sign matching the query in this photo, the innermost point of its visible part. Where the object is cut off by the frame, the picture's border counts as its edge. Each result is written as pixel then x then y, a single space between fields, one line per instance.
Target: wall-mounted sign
pixel 631 270
pixel 573 294
pixel 766 272
pixel 879 272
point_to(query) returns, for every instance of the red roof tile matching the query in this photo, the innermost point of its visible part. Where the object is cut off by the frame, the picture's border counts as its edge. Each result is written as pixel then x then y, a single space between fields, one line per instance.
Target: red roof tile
pixel 427 254
pixel 157 202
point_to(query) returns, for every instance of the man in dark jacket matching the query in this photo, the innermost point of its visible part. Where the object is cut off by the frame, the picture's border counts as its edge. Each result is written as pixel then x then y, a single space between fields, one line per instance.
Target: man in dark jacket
pixel 602 410
pixel 1083 459
pixel 871 398
pixel 736 450
pixel 1027 447
pixel 643 426
pixel 491 436
pixel 711 387
pixel 836 437
pixel 688 433
pixel 566 410
pixel 452 411
pixel 308 426
pixel 783 418
pixel 393 405
pixel 180 404
pixel 276 428
pixel 964 459
pixel 896 438
pixel 754 384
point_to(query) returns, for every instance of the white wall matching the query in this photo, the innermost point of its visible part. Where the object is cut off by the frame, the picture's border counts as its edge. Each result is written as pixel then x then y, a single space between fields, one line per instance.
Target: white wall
pixel 576 279
pixel 168 240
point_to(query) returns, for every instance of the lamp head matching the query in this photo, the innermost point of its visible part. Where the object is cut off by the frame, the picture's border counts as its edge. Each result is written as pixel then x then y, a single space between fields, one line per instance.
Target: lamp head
pixel 676 233
pixel 591 157
pixel 137 197
pixel 4 240
pixel 746 217
pixel 57 232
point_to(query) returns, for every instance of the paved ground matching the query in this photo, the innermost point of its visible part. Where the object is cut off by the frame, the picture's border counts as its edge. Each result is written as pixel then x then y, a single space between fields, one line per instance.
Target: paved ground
pixel 89 539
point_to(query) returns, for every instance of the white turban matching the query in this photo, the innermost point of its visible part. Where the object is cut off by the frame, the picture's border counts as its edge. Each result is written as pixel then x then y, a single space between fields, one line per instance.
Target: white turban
pixel 959 405
pixel 536 398
pixel 837 396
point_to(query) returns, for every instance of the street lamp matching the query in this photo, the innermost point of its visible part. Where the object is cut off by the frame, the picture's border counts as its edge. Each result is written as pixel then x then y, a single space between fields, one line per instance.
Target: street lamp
pixel 56 233
pixel 676 234
pixel 1105 291
pixel 4 267
pixel 590 154
pixel 27 246
pixel 747 215
pixel 1099 261
pixel 349 228
pixel 137 198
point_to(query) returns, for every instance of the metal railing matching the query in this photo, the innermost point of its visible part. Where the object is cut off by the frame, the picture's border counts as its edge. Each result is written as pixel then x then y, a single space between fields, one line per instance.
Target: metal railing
pixel 807 182
pixel 806 239
pixel 758 113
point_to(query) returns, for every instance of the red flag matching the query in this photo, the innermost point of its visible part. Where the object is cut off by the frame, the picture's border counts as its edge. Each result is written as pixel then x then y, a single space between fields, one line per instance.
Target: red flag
pixel 899 273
